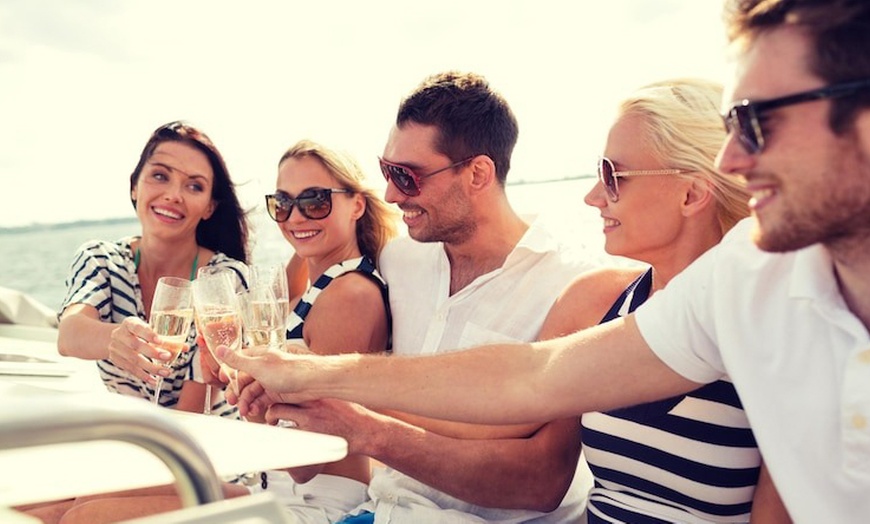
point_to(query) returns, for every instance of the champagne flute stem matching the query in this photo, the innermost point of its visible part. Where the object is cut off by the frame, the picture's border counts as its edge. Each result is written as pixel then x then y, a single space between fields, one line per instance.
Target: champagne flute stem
pixel 157 389
pixel 207 408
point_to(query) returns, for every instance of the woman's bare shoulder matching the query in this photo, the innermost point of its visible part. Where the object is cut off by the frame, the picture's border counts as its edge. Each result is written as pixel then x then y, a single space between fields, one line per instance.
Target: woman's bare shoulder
pixel 586 300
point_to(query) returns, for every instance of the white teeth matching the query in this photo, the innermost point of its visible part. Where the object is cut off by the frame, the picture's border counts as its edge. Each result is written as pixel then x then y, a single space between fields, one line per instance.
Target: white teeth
pixel 167 213
pixel 304 234
pixel 610 222
pixel 759 194
pixel 412 214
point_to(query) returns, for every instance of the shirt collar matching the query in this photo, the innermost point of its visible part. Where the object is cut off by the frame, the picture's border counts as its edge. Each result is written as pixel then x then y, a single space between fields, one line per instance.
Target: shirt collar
pixel 813 276
pixel 538 238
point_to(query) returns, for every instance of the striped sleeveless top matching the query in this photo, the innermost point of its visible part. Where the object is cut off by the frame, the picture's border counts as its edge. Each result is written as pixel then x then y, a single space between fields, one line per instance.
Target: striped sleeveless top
pixel 690 458
pixel 362 265
pixel 103 275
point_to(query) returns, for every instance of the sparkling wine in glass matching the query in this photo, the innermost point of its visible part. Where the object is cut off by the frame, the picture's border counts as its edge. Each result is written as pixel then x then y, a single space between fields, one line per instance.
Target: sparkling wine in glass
pixel 262 317
pixel 217 313
pixel 275 277
pixel 171 316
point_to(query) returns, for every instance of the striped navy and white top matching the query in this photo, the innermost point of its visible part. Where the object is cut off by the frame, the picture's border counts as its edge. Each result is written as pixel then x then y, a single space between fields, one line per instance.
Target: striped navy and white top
pixel 103 275
pixel 361 265
pixel 690 458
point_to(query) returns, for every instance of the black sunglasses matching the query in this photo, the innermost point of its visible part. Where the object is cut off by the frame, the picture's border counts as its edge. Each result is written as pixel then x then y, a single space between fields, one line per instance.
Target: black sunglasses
pixel 171 127
pixel 743 117
pixel 315 203
pixel 406 180
pixel 608 175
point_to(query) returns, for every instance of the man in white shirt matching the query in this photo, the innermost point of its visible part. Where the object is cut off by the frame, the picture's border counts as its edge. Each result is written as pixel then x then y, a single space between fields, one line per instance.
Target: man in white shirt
pixel 785 315
pixel 471 272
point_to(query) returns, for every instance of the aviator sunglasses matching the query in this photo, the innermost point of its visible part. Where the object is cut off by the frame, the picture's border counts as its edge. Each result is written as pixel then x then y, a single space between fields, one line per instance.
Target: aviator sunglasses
pixel 315 203
pixel 608 175
pixel 406 180
pixel 744 117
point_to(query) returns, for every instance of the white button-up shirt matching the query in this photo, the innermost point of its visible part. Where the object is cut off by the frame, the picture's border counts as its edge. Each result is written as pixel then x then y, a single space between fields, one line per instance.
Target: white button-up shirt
pixel 504 305
pixel 508 304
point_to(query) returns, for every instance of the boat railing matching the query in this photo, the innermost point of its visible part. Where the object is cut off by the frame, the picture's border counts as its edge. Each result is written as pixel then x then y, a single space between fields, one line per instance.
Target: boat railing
pixel 37 422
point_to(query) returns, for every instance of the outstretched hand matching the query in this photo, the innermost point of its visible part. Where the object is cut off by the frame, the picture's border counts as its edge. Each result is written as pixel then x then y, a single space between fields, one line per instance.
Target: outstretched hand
pixel 211 368
pixel 266 377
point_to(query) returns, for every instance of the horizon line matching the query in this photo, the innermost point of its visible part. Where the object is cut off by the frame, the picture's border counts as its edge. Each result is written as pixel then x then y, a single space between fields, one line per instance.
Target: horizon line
pixel 93 221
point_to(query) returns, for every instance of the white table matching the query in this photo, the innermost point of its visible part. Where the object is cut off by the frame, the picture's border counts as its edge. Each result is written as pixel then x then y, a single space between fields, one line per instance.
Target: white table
pixel 63 470
pixel 56 373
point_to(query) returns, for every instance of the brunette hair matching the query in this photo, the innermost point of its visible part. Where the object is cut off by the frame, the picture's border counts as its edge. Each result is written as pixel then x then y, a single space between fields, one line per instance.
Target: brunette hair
pixel 840 30
pixel 472 118
pixel 226 230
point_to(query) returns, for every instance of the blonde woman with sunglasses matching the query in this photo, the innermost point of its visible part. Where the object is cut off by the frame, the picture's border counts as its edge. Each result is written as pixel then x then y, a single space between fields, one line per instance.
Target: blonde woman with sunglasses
pixel 337 227
pixel 692 457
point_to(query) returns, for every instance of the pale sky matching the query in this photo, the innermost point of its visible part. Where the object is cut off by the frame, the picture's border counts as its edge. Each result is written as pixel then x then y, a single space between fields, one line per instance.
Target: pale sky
pixel 83 83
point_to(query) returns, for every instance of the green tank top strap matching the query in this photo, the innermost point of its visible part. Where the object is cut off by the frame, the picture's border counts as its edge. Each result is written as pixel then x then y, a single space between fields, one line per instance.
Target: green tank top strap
pixel 138 257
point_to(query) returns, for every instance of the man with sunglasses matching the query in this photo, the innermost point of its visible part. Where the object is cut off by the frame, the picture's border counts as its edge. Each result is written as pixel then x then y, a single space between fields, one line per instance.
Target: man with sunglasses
pixel 471 272
pixel 781 305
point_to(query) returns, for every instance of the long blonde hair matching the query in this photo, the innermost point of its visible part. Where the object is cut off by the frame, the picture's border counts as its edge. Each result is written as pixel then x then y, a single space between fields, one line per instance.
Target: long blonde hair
pixel 685 132
pixel 377 226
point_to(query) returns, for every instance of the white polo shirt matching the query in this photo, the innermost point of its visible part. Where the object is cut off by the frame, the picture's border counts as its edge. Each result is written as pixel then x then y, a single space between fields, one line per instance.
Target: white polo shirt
pixel 508 304
pixel 800 360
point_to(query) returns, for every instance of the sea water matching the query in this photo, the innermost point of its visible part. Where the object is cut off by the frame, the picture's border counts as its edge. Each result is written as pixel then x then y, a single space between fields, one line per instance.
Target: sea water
pixel 37 262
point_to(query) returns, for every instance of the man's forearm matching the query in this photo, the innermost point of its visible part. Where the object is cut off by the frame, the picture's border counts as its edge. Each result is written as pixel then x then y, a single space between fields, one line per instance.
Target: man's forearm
pixel 531 473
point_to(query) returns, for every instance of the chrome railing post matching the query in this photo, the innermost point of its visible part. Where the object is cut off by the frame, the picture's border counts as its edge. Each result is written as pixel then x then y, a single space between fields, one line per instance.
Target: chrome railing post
pixel 68 419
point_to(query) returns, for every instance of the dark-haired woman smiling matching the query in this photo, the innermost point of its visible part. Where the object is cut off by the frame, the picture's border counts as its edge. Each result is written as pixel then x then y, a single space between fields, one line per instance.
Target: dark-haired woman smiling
pixel 190 217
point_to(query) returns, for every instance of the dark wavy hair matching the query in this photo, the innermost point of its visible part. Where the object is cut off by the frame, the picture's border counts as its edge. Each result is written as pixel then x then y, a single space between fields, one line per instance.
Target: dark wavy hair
pixel 840 30
pixel 471 117
pixel 227 228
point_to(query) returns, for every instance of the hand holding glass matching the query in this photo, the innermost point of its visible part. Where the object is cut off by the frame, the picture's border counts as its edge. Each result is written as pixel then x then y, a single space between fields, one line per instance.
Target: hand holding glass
pixel 171 315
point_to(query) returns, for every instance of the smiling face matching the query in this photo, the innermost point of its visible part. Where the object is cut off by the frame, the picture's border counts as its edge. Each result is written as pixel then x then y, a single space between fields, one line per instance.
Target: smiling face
pixel 808 185
pixel 329 240
pixel 173 191
pixel 442 211
pixel 645 222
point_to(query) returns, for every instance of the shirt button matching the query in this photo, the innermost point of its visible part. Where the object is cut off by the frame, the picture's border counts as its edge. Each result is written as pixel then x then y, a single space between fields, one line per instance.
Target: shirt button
pixel 859 421
pixel 864 356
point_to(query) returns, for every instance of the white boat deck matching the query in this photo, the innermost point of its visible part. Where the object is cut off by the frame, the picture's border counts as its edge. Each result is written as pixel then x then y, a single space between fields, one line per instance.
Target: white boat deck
pixel 40 393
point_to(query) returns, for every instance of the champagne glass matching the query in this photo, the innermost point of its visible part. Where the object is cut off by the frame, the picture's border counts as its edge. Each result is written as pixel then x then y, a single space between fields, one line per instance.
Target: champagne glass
pixel 171 315
pixel 217 315
pixel 275 277
pixel 262 317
